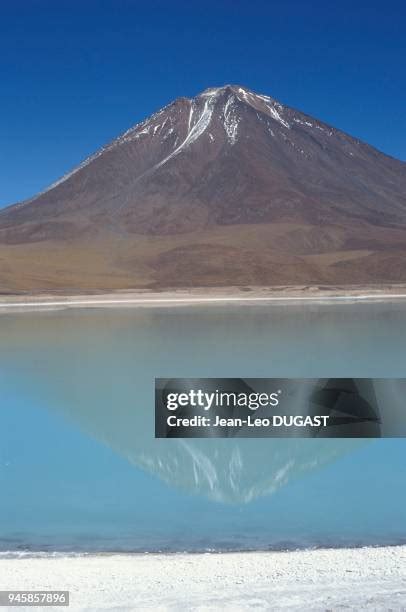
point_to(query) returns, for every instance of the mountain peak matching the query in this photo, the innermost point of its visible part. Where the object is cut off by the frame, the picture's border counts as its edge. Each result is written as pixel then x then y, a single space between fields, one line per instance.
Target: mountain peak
pixel 228 88
pixel 229 94
pixel 244 93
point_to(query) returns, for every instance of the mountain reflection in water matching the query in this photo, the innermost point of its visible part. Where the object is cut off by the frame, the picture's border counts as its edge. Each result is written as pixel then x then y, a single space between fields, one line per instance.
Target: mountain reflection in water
pixel 77 446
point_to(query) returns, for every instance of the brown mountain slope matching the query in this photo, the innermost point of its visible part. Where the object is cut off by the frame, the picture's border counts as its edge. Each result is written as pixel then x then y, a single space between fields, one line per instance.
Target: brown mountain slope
pixel 228 188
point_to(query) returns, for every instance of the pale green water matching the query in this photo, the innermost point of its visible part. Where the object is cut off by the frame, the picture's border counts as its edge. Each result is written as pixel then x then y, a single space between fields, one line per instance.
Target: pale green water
pixel 81 470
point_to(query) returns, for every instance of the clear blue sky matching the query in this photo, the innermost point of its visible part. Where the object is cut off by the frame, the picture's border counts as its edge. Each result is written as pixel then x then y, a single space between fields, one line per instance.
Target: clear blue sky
pixel 74 74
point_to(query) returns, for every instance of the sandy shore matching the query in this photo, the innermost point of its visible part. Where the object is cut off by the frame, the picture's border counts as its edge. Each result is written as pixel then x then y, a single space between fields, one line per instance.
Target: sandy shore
pixel 356 579
pixel 207 296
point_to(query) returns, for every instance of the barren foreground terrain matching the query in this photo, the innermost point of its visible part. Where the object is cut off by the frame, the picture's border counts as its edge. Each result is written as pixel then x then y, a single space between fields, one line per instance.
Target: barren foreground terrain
pixel 269 256
pixel 350 579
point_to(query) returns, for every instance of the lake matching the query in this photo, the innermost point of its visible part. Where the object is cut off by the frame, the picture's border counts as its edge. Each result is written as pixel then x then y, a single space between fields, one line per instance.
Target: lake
pixel 80 469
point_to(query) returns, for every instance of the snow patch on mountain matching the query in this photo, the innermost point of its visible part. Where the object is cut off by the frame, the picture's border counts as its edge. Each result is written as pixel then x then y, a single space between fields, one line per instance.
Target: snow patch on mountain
pixel 231 120
pixel 277 116
pixel 195 130
pixel 296 120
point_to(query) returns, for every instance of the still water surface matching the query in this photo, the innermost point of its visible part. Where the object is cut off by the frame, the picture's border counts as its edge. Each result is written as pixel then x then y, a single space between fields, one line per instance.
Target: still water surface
pixel 80 469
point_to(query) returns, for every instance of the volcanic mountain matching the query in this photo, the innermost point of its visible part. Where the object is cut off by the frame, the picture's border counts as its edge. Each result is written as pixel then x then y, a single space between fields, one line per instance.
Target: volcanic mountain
pixel 229 188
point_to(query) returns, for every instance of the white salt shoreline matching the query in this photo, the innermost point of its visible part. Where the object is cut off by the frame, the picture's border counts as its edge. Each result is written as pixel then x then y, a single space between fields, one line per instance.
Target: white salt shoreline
pixel 355 579
pixel 52 303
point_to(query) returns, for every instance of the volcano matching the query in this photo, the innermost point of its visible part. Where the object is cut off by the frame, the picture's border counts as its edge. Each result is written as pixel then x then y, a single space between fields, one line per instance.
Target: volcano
pixel 230 188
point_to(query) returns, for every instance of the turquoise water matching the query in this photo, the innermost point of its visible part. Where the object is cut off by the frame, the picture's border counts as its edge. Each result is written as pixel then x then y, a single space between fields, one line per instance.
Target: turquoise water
pixel 80 469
